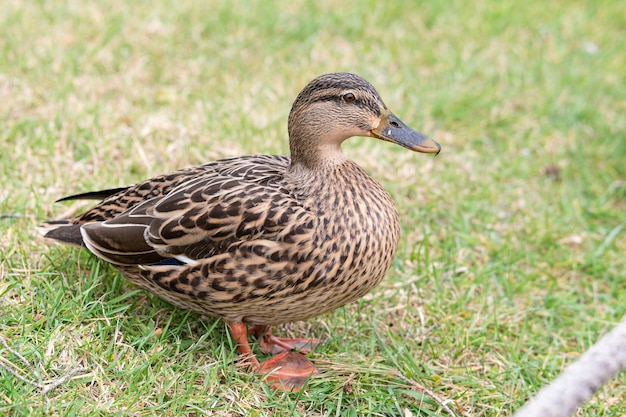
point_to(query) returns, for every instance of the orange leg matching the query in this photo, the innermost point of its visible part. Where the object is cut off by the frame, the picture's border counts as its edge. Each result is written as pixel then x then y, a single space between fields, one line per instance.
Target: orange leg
pixel 273 344
pixel 287 371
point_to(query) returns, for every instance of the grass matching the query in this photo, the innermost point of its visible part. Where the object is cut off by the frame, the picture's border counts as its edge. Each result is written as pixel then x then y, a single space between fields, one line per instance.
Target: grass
pixel 512 257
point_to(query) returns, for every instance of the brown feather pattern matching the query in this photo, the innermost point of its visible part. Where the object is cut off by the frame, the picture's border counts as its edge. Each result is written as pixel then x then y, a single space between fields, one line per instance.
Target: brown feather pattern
pixel 259 239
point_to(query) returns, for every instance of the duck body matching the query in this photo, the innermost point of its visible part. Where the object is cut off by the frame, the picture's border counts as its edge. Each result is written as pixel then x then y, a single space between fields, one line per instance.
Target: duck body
pixel 263 239
pixel 248 240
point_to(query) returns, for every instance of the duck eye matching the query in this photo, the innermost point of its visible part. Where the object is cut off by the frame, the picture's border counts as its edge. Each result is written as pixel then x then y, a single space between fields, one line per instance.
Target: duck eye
pixel 348 97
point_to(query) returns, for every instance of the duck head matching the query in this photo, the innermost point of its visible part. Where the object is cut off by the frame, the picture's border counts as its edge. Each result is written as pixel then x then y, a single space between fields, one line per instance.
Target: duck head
pixel 337 106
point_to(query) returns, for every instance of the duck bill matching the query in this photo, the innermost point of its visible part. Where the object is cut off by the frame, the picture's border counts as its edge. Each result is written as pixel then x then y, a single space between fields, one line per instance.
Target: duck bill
pixel 392 129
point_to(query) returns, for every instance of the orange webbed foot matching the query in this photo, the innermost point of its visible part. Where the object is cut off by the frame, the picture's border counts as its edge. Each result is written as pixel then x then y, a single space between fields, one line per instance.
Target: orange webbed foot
pixel 288 370
pixel 274 344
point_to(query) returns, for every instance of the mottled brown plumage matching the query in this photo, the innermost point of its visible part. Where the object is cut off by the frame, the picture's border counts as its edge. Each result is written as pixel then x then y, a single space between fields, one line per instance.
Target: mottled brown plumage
pixel 261 239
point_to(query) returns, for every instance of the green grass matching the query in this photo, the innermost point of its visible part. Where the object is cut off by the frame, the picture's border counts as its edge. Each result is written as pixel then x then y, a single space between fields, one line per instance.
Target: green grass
pixel 512 257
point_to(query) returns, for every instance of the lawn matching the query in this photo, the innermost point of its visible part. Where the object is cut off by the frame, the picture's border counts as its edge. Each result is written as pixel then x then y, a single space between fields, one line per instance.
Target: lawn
pixel 511 262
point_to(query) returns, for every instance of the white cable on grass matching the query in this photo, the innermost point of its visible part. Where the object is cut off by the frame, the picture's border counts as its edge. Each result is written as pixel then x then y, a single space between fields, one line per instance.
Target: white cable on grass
pixel 582 378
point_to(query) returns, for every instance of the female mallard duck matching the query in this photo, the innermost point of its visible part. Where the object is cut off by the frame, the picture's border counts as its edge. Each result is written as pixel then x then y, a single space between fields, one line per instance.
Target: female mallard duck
pixel 262 240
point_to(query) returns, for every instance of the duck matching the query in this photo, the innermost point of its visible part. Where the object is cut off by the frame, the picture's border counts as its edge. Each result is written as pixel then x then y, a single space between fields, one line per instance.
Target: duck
pixel 261 240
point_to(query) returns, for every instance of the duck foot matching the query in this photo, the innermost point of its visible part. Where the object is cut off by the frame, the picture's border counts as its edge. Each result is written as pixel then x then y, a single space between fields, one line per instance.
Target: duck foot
pixel 286 371
pixel 274 344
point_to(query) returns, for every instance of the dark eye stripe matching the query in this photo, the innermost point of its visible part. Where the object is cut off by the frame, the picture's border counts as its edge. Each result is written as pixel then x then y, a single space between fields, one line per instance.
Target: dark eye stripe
pixel 370 105
pixel 329 97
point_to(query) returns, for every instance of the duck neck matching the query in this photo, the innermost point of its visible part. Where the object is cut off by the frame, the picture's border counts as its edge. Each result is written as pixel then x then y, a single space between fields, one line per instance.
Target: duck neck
pixel 322 158
pixel 319 154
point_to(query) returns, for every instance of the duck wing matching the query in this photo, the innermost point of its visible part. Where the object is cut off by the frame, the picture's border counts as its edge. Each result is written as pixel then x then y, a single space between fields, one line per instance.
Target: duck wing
pixel 238 200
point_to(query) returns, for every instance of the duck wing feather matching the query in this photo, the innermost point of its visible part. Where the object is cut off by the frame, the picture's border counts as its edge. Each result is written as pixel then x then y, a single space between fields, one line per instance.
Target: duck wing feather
pixel 231 202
